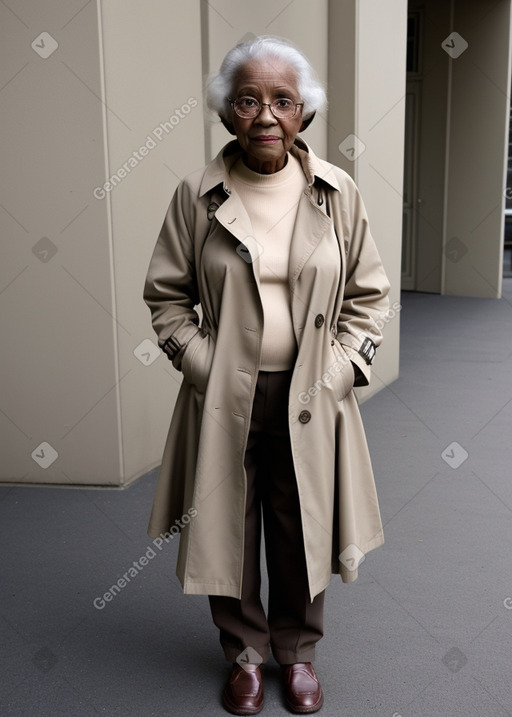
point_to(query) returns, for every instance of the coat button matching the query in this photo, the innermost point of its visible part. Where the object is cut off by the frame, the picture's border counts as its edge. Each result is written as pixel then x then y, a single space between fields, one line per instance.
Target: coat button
pixel 304 416
pixel 319 321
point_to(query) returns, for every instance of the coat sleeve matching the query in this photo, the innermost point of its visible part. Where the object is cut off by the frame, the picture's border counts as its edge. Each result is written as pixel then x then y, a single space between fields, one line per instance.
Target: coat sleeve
pixel 365 299
pixel 170 289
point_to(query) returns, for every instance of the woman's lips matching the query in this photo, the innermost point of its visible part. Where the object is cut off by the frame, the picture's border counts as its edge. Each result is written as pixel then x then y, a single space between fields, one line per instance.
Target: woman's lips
pixel 266 139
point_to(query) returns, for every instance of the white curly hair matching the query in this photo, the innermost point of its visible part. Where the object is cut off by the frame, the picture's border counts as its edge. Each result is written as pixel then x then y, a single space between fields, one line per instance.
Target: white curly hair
pixel 220 84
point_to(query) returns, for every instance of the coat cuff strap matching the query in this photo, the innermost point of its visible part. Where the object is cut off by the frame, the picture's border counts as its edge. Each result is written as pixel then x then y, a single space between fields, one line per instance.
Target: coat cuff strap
pixel 174 346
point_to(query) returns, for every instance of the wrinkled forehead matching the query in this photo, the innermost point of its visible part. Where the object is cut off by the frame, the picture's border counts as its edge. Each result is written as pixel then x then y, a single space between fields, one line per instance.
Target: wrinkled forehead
pixel 266 75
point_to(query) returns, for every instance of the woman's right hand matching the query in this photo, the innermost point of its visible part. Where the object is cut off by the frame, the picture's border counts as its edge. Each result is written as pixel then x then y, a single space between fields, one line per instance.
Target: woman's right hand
pixel 197 361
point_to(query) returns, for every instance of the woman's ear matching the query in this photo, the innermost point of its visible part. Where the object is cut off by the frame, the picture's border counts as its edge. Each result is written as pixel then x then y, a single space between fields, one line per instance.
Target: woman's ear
pixel 228 126
pixel 306 122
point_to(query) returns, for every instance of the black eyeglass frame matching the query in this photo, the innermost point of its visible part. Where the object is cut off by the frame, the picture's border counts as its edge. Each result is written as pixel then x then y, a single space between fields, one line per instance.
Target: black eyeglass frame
pixel 261 106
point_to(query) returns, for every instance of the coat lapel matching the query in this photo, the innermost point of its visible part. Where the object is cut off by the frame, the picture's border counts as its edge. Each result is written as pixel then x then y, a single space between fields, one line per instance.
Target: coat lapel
pixel 233 216
pixel 310 226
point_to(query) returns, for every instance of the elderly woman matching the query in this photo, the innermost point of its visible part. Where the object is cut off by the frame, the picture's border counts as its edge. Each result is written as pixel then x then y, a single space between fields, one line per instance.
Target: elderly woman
pixel 273 243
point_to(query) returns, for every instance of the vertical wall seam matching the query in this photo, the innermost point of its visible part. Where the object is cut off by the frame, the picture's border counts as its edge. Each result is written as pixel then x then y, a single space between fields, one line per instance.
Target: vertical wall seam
pixel 110 235
pixel 355 88
pixel 446 189
pixel 506 149
pixel 205 69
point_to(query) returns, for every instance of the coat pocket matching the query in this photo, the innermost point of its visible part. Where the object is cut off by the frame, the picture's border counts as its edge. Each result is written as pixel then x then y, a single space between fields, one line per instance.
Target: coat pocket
pixel 197 361
pixel 344 375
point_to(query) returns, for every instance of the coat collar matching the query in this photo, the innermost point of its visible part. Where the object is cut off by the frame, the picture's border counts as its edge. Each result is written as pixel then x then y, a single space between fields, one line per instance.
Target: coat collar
pixel 217 171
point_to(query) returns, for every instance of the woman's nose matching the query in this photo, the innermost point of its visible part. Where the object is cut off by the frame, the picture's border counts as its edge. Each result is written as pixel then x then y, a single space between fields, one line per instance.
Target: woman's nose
pixel 265 116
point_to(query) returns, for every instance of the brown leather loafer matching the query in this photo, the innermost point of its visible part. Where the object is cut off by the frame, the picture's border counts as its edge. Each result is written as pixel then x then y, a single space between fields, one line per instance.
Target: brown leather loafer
pixel 243 694
pixel 303 691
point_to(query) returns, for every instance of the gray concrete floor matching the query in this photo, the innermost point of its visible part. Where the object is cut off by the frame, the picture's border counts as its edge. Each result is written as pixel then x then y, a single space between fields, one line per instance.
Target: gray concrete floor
pixel 425 631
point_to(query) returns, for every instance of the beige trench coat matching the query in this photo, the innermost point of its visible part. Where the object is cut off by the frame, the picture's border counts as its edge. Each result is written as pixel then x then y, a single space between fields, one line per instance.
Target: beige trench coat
pixel 206 255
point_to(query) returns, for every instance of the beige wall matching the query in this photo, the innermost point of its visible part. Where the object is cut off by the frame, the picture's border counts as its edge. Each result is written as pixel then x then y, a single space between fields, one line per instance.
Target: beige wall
pixel 69 374
pixel 146 85
pixel 80 369
pixel 57 349
pixel 367 51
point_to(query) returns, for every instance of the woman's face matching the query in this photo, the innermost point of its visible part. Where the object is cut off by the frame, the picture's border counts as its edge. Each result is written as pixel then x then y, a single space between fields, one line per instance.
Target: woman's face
pixel 265 139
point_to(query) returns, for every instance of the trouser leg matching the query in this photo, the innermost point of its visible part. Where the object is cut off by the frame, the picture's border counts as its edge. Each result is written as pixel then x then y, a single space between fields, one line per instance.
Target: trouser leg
pixel 295 623
pixel 243 622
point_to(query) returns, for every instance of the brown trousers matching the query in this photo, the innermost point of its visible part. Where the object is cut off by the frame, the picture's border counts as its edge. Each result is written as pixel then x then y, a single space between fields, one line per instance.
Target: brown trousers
pixel 294 624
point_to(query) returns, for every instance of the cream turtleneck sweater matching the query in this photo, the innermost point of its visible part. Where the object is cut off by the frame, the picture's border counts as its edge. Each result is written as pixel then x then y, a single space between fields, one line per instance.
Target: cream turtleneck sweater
pixel 271 201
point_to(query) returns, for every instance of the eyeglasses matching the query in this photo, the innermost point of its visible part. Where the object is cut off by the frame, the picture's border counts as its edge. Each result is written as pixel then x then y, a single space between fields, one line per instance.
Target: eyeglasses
pixel 248 107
